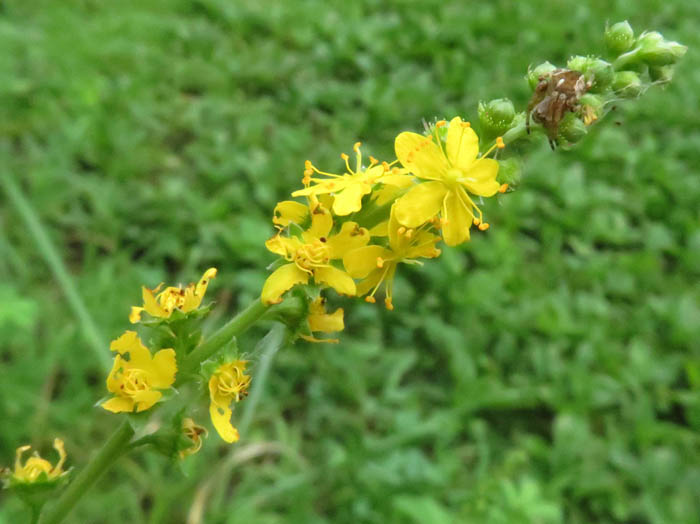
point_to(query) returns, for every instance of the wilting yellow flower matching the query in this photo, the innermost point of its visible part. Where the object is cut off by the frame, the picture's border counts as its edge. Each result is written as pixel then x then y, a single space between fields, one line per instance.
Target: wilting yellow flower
pixel 193 432
pixel 350 187
pixel 162 304
pixel 377 264
pixel 135 382
pixel 452 173
pixel 320 321
pixel 311 256
pixel 36 469
pixel 228 384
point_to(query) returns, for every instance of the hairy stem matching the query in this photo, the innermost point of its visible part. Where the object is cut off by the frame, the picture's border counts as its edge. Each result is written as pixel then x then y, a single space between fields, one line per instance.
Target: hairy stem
pixel 110 452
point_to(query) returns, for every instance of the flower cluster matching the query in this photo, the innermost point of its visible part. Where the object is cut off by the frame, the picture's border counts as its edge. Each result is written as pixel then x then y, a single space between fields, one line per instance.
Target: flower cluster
pixel 355 228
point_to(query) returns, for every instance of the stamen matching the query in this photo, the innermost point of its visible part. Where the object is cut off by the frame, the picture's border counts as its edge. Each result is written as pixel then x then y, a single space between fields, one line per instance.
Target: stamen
pixel 499 143
pixel 503 188
pixel 484 226
pixel 477 221
pixel 380 262
pixel 409 233
pixel 385 165
pixel 465 124
pixel 356 147
pixel 370 299
pixel 388 304
pixel 372 160
pixel 440 123
pixel 401 230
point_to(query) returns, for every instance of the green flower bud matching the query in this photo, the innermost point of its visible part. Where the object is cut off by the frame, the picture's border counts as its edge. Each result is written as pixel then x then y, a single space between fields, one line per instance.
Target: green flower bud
pixel 596 70
pixel 496 116
pixel 654 50
pixel 627 84
pixel 533 75
pixel 572 129
pixel 662 74
pixel 619 37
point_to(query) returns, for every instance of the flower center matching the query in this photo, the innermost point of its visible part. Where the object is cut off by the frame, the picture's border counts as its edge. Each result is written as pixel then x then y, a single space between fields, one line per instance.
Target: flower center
pixel 233 384
pixel 452 176
pixel 135 381
pixel 312 255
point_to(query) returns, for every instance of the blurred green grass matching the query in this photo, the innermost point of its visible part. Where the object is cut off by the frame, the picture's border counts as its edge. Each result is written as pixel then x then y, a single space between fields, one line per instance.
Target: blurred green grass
pixel 547 372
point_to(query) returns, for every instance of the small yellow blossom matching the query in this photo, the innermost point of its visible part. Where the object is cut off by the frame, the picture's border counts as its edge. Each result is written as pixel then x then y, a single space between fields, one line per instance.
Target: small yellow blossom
pixel 311 256
pixel 36 469
pixel 135 382
pixel 320 321
pixel 350 187
pixel 377 264
pixel 228 384
pixel 162 304
pixel 452 173
pixel 195 433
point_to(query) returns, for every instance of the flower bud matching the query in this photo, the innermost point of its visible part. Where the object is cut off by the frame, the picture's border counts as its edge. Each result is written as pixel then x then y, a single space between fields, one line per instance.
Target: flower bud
pixel 496 116
pixel 619 37
pixel 661 74
pixel 627 84
pixel 572 128
pixel 654 50
pixel 533 75
pixel 597 71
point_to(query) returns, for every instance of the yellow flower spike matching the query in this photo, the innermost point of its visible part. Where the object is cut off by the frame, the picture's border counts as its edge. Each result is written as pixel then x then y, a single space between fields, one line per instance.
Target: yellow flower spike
pixel 321 321
pixel 136 381
pixel 349 188
pixel 194 433
pixel 376 265
pixel 36 469
pixel 161 304
pixel 311 255
pixel 228 384
pixel 450 174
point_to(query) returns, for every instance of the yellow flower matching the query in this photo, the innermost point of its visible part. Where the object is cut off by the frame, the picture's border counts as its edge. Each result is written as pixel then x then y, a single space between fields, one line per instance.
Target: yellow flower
pixel 377 264
pixel 227 384
pixel 37 469
pixel 350 187
pixel 311 256
pixel 162 305
pixel 135 382
pixel 452 173
pixel 323 322
pixel 194 433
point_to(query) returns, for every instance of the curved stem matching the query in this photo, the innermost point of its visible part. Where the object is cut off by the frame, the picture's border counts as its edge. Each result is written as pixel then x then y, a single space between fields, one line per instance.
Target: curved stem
pixel 110 452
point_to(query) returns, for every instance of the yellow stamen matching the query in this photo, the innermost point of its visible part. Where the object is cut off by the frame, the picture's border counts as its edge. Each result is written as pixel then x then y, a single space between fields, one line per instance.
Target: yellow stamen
pixel 465 124
pixel 380 262
pixel 503 188
pixel 372 160
pixel 499 143
pixel 477 221
pixel 440 123
pixel 388 304
pixel 484 226
pixel 370 299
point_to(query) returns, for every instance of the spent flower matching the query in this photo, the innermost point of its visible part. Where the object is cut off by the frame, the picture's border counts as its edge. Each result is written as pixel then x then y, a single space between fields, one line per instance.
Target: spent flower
pixel 227 384
pixel 36 470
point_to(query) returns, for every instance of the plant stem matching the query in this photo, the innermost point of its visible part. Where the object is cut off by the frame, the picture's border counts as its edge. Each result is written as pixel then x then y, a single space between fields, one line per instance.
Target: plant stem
pixel 58 268
pixel 110 452
pixel 234 327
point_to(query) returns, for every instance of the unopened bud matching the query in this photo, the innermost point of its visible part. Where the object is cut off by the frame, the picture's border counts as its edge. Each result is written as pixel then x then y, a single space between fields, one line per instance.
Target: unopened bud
pixel 533 75
pixel 619 37
pixel 496 116
pixel 627 84
pixel 596 70
pixel 572 128
pixel 654 50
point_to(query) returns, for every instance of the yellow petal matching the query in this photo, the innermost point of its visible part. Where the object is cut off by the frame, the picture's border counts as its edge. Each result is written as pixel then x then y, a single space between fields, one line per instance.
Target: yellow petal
pixel 397 180
pixel 420 155
pixel 456 229
pixel 462 144
pixel 113 380
pixel 118 404
pixel 361 262
pixel 349 200
pixel 321 222
pixel 328 322
pixel 129 342
pixel 281 280
pixel 60 448
pixel 195 294
pixel 135 315
pixel 369 283
pixel 290 212
pixel 146 399
pixel 380 230
pixel 420 204
pixel 335 278
pixel 162 369
pixel 480 179
pixel 221 418
pixel 424 246
pixel 351 236
pixel 151 305
pixel 281 245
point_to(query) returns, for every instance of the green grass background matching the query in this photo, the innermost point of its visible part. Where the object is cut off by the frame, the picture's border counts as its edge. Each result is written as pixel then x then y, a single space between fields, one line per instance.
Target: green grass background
pixel 547 372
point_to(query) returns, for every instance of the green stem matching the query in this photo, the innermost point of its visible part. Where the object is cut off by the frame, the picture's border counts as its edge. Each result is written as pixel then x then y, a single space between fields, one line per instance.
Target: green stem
pixel 234 327
pixel 110 452
pixel 58 268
